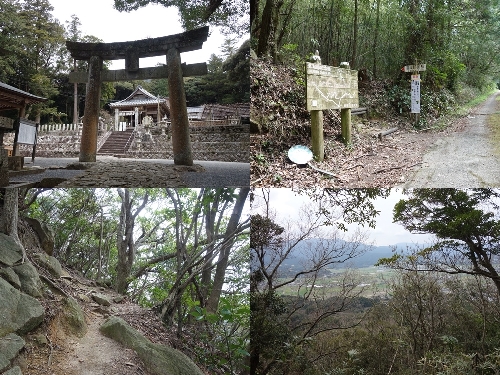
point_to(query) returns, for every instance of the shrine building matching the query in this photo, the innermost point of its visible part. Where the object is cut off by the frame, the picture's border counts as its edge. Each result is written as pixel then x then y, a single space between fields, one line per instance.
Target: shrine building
pixel 130 111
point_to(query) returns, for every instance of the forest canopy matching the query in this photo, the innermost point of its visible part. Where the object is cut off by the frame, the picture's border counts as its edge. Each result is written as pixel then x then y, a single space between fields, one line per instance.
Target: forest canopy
pixel 459 40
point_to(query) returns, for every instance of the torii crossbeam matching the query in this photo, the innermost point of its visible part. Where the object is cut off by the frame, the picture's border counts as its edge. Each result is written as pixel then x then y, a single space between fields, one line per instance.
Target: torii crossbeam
pixel 171 46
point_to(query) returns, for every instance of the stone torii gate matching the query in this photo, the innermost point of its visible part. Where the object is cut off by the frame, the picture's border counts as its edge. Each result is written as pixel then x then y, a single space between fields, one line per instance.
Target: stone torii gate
pixel 171 46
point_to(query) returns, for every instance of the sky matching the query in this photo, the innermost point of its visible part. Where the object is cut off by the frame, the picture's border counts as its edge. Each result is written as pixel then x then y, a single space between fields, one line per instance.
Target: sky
pixel 287 204
pixel 100 19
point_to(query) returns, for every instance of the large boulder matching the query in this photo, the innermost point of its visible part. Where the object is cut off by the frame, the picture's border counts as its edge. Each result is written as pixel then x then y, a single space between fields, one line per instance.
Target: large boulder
pixel 10 251
pixel 30 280
pixel 10 346
pixel 159 359
pixel 19 312
pixel 49 263
pixel 101 299
pixel 14 371
pixel 45 234
pixel 9 275
pixel 73 318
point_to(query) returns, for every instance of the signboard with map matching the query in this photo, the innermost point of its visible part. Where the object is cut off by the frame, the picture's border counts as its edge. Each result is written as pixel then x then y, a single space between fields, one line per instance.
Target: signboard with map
pixel 328 87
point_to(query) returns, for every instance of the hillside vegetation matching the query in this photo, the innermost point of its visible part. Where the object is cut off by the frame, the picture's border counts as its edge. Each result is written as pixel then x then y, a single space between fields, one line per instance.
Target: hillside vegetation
pixel 458 41
pixel 124 284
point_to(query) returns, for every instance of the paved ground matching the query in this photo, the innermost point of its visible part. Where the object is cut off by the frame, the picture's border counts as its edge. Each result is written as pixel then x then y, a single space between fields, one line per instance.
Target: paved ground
pixel 109 171
pixel 464 159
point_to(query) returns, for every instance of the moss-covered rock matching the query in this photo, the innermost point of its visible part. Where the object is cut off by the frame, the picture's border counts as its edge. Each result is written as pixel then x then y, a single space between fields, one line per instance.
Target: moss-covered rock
pixel 11 277
pixel 18 311
pixel 73 318
pixel 14 371
pixel 101 299
pixel 159 359
pixel 49 263
pixel 30 280
pixel 10 251
pixel 45 234
pixel 10 345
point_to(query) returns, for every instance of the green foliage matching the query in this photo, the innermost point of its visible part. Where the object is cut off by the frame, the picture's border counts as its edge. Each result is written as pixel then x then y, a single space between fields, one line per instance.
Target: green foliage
pixel 226 332
pixel 445 70
pixel 232 16
pixel 227 82
pixel 288 55
pixel 388 261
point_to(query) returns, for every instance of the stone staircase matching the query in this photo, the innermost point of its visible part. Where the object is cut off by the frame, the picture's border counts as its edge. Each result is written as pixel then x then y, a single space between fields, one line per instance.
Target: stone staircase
pixel 117 143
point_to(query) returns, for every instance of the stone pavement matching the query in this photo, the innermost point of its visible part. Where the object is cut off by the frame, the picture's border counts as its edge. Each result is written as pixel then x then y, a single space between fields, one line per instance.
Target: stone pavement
pixel 109 171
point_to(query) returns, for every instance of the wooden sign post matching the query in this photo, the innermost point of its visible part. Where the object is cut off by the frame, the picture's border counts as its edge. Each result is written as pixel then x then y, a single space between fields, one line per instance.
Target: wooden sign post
pixel 328 87
pixel 415 88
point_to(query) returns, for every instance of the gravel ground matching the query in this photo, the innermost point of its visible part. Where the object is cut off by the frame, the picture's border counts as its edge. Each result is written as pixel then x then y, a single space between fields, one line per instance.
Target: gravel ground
pixel 465 158
pixel 113 172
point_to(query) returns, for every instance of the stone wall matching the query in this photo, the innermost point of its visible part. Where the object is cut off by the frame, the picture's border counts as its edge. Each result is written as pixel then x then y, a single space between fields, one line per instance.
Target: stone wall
pixel 208 142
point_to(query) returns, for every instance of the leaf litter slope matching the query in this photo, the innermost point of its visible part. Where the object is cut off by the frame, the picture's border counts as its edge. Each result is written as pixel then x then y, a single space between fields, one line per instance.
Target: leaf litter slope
pixel 278 105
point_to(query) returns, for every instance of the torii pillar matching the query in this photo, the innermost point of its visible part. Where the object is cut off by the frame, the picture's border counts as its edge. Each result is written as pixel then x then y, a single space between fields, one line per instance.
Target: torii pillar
pixel 88 144
pixel 178 110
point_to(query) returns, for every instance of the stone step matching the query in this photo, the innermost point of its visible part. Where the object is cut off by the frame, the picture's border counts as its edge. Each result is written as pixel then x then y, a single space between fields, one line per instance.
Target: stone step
pixel 116 143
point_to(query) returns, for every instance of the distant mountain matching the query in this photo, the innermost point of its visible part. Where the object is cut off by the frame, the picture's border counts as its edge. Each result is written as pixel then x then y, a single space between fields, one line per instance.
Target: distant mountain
pixel 368 257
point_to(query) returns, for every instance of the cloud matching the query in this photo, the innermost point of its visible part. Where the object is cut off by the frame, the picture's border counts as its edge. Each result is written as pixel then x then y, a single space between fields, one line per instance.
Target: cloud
pixel 286 204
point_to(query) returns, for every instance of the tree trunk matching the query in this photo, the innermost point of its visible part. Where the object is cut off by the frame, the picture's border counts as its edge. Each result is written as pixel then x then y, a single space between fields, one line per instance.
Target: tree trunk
pixel 220 272
pixel 10 216
pixel 268 28
pixel 355 36
pixel 125 239
pixel 375 40
pixel 99 261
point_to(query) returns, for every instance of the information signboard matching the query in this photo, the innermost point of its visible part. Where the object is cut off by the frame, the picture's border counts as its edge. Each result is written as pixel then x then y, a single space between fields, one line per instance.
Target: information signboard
pixel 415 93
pixel 27 132
pixel 328 87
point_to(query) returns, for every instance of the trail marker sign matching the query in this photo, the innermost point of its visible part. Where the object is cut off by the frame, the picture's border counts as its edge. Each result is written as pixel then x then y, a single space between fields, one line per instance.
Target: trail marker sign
pixel 414 68
pixel 415 93
pixel 415 87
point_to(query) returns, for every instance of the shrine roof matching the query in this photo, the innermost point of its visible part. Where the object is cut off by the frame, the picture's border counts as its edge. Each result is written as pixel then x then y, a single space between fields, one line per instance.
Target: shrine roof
pixel 139 97
pixel 14 98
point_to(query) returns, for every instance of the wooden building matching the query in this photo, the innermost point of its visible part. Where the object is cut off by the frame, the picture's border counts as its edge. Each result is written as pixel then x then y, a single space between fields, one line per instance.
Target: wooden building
pixel 12 98
pixel 130 111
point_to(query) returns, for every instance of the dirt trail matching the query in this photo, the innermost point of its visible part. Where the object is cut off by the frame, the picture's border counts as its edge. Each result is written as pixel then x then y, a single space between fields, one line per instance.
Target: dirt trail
pixel 92 354
pixel 464 159
pixel 96 354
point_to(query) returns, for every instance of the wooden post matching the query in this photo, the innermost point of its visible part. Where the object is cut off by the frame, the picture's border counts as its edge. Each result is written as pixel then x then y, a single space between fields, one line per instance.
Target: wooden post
pixel 88 146
pixel 181 142
pixel 318 146
pixel 4 163
pixel 345 120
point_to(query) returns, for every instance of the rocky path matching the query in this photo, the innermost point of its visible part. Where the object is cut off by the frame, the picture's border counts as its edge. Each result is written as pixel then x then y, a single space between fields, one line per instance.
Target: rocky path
pixel 468 158
pixel 60 349
pixel 96 354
